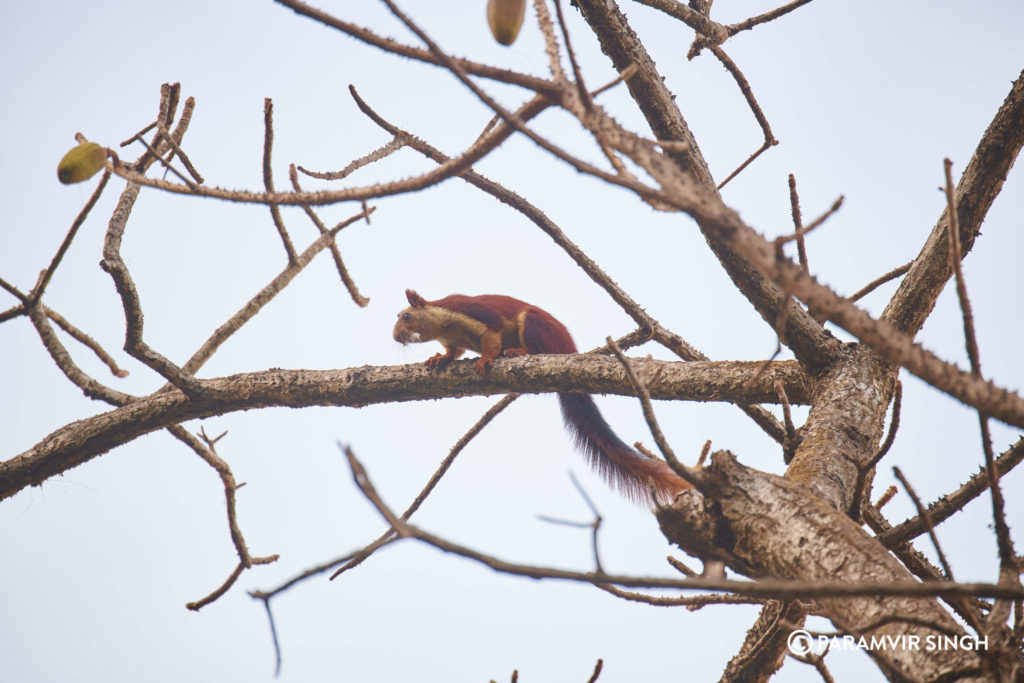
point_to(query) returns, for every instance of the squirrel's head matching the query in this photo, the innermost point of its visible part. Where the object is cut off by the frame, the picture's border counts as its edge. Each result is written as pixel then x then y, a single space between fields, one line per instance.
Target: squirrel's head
pixel 414 323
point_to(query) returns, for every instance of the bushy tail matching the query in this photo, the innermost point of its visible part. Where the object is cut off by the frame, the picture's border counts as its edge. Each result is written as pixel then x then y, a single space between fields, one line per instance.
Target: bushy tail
pixel 630 472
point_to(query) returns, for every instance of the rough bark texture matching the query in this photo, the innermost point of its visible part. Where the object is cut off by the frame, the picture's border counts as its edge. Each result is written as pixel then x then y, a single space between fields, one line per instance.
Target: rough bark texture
pixel 844 426
pixel 765 646
pixel 81 441
pixel 768 526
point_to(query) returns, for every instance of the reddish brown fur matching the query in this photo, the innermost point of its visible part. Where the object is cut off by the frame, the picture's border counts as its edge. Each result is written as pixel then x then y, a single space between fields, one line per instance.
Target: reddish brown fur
pixel 495 325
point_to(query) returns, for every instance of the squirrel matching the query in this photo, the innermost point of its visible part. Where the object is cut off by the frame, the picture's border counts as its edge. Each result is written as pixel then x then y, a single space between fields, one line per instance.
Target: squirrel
pixel 495 325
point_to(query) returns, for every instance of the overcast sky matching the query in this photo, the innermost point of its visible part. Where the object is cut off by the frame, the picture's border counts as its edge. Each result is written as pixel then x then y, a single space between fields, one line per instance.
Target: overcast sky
pixel 866 98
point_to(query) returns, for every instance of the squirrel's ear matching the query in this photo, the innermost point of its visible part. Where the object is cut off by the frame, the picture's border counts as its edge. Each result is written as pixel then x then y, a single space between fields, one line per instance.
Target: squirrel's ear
pixel 415 300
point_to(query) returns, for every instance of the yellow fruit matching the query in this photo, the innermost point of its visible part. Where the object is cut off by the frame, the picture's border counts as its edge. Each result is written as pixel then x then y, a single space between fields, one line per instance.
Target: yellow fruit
pixel 81 163
pixel 505 18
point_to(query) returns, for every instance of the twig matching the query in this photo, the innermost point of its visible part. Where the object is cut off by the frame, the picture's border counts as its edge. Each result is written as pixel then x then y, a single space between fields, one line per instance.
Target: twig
pixel 739 169
pixel 309 573
pixel 600 663
pixel 166 163
pixel 267 294
pixel 581 89
pixel 87 341
pixel 138 136
pixel 339 264
pixel 681 567
pixel 37 291
pixel 711 30
pixel 690 475
pixel 748 95
pixel 389 535
pixel 1007 556
pixel 927 520
pixel 185 161
pixel 624 75
pixel 884 499
pixel 395 144
pixel 705 449
pixel 637 337
pixel 792 440
pixel 800 232
pixel 62 358
pixel 11 313
pixel 818 662
pixel 750 23
pixel 794 207
pixel 879 281
pixel 692 603
pixel 362 480
pixel 273 636
pixel 547 29
pixel 268 178
pixel 207 450
pixel 223 588
pixel 533 83
pixel 594 526
pixel 948 505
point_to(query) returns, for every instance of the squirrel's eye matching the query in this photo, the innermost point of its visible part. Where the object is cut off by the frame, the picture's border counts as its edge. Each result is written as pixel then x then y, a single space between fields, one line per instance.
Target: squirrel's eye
pixel 406 317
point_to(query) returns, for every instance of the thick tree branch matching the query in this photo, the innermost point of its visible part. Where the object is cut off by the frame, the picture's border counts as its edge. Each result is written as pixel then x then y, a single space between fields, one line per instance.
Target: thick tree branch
pixel 770 527
pixel 979 185
pixel 80 441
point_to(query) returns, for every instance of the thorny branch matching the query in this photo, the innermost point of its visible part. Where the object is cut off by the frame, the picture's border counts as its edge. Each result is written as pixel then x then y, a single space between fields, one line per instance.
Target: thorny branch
pixel 765 588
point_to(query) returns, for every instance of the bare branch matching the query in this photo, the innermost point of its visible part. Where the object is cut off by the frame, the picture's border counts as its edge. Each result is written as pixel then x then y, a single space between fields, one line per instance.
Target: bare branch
pixel 927 522
pixel 1007 555
pixel 711 30
pixel 798 224
pixel 748 95
pixel 391 534
pixel 948 505
pixel 879 281
pixel 538 85
pixel 750 23
pixel 265 295
pixel 395 144
pixel 979 185
pixel 692 603
pixel 87 341
pixel 37 291
pixel 691 475
pixel 339 264
pixel 81 441
pixel 268 178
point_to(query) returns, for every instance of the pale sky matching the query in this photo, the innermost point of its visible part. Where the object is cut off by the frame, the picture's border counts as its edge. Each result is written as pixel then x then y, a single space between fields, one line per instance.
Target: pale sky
pixel 866 98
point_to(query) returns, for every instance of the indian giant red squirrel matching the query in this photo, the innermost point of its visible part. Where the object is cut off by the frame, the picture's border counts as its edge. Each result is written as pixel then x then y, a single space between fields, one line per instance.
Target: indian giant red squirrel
pixel 493 325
